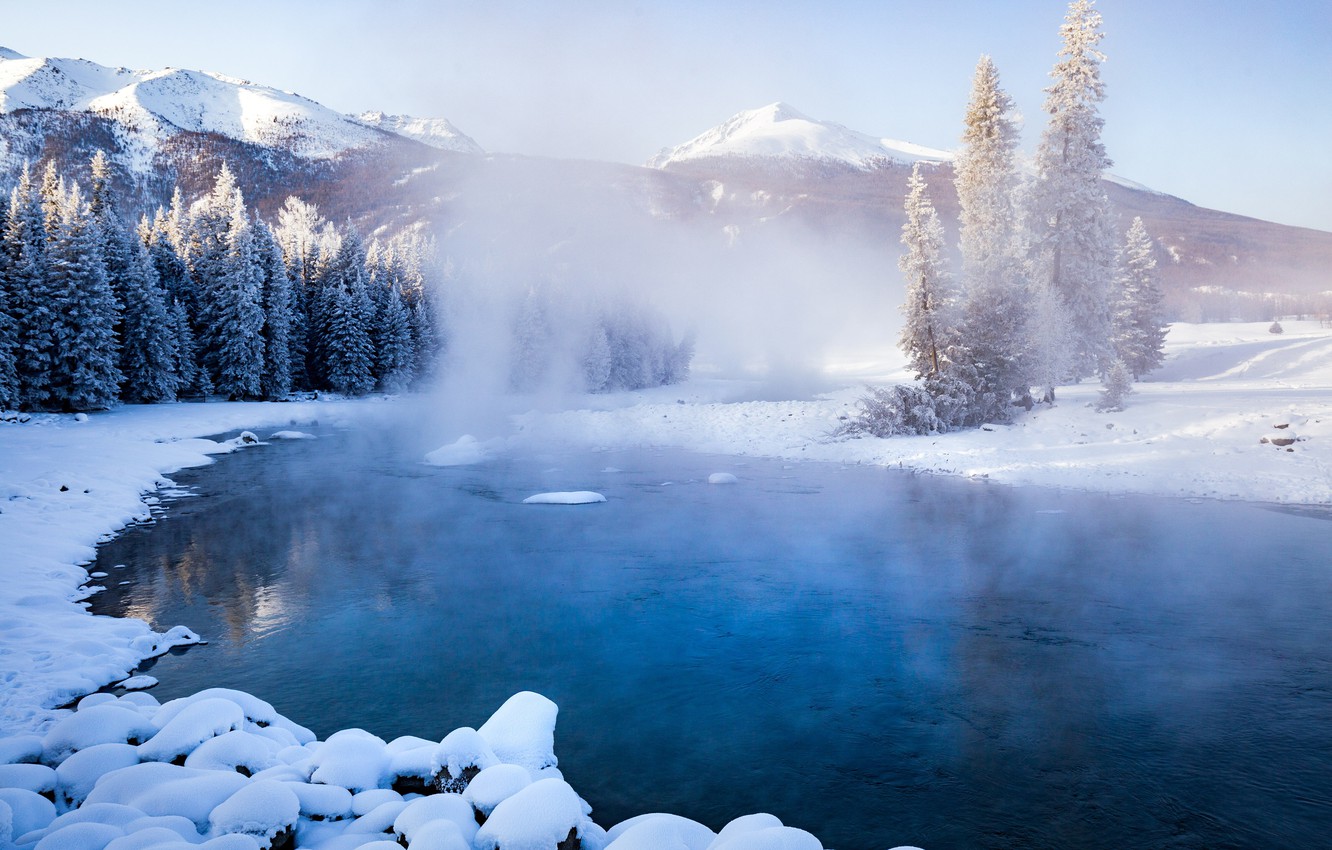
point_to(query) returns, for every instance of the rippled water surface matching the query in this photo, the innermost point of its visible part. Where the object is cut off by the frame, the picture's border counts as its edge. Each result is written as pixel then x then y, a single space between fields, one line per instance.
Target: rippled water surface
pixel 876 657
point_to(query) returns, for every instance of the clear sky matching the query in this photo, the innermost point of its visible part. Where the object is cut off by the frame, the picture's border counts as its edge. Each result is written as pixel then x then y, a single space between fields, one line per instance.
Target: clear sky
pixel 1226 103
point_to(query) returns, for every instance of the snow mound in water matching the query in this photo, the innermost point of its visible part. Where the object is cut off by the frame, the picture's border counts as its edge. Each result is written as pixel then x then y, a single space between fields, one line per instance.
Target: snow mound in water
pixel 574 497
pixel 722 478
pixel 461 452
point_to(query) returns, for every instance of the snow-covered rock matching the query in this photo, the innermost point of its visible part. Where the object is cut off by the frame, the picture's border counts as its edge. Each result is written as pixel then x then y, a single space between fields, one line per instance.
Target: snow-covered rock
pixel 570 497
pixel 463 451
pixel 762 832
pixel 76 775
pixel 522 731
pixel 420 814
pixel 262 809
pixel 537 818
pixel 28 811
pixel 191 726
pixel 460 756
pixel 353 759
pixel 659 832
pixel 105 723
pixel 494 785
pixel 722 478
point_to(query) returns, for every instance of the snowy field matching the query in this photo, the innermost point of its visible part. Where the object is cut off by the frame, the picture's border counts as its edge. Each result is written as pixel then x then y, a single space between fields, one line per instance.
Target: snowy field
pixel 1213 423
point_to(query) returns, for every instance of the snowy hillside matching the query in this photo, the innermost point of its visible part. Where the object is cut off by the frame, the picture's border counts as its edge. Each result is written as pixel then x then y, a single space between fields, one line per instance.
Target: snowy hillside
pixel 777 130
pixel 155 105
pixel 436 132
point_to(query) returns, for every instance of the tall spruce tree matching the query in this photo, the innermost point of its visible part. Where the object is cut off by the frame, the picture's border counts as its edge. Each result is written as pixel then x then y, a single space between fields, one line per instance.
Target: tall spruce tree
pixel 1069 220
pixel 1139 325
pixel 345 354
pixel 929 328
pixel 31 302
pixel 83 372
pixel 391 330
pixel 275 286
pixel 297 231
pixel 148 359
pixel 994 295
pixel 9 392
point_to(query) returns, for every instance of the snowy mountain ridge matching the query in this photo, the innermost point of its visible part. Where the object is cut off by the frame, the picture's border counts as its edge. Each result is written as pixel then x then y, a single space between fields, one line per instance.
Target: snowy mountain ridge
pixel 436 132
pixel 778 130
pixel 156 104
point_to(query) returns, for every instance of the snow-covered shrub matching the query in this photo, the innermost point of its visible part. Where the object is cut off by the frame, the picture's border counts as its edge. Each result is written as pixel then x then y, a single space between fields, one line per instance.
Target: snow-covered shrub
pixel 1117 383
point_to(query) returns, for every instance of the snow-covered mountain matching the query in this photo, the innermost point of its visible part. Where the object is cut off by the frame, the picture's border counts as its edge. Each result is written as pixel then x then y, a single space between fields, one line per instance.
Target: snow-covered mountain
pixel 152 106
pixel 777 130
pixel 436 132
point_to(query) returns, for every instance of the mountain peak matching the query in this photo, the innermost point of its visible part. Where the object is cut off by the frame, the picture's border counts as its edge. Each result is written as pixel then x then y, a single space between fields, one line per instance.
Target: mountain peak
pixel 778 130
pixel 6 53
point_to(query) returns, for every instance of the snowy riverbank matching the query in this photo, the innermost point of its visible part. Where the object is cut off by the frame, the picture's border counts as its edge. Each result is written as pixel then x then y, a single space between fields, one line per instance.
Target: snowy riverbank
pixel 1196 430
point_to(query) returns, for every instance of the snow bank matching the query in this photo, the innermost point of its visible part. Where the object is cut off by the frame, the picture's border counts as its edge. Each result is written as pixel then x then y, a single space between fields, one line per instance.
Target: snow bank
pixel 573 497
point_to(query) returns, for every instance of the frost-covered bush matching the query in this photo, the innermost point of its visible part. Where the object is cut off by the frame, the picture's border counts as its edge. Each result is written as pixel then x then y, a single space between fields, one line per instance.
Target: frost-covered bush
pixel 1117 383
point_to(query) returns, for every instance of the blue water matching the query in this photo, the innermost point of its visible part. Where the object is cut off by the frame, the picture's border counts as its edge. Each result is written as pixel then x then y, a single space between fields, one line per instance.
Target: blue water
pixel 877 657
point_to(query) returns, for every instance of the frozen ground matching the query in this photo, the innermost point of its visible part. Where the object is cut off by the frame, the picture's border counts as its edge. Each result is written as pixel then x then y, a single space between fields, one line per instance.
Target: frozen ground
pixel 1195 430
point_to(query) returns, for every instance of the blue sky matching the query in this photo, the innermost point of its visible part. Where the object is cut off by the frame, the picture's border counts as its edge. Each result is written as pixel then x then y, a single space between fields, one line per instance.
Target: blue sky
pixel 1227 104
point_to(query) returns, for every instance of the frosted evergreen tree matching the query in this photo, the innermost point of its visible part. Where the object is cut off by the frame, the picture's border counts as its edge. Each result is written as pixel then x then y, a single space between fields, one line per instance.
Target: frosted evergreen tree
pixel 148 359
pixel 1051 350
pixel 83 369
pixel 161 238
pixel 9 391
pixel 532 343
pixel 30 301
pixel 994 298
pixel 276 297
pixel 345 354
pixel 298 233
pixel 596 360
pixel 52 194
pixel 391 330
pixel 1069 220
pixel 1116 384
pixel 1139 325
pixel 928 330
pixel 231 314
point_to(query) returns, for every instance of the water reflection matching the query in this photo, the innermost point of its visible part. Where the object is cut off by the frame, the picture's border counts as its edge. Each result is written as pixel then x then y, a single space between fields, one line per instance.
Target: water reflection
pixel 880 658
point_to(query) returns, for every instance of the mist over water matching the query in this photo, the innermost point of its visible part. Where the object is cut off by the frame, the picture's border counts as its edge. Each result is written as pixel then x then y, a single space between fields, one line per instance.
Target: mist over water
pixel 877 657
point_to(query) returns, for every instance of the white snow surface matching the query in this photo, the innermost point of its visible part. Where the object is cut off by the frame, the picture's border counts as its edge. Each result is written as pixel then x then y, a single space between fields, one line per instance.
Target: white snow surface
pixel 778 130
pixel 159 103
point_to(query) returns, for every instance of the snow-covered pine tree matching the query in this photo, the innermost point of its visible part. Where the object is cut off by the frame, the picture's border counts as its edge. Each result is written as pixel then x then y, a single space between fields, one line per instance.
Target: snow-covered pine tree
pixel 391 330
pixel 9 397
pixel 1051 350
pixel 83 370
pixel 345 312
pixel 531 354
pixel 148 357
pixel 52 194
pixel 1116 384
pixel 929 328
pixel 1139 326
pixel 297 231
pixel 276 297
pixel 231 316
pixel 994 299
pixel 178 292
pixel 1069 221
pixel 596 360
pixel 31 304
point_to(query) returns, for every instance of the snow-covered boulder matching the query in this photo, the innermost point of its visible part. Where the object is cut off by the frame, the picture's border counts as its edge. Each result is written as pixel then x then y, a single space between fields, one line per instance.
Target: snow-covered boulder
pixel 266 810
pixel 158 788
pixel 461 452
pixel 367 801
pixel 522 731
pixel 28 811
pixel 6 824
pixel 21 749
pixel 237 750
pixel 539 817
pixel 494 785
pixel 353 759
pixel 106 723
pixel 460 756
pixel 189 727
pixel 722 478
pixel 76 775
pixel 763 832
pixel 420 814
pixel 659 832
pixel 322 802
pixel 80 836
pixel 33 777
pixel 256 711
pixel 377 820
pixel 412 764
